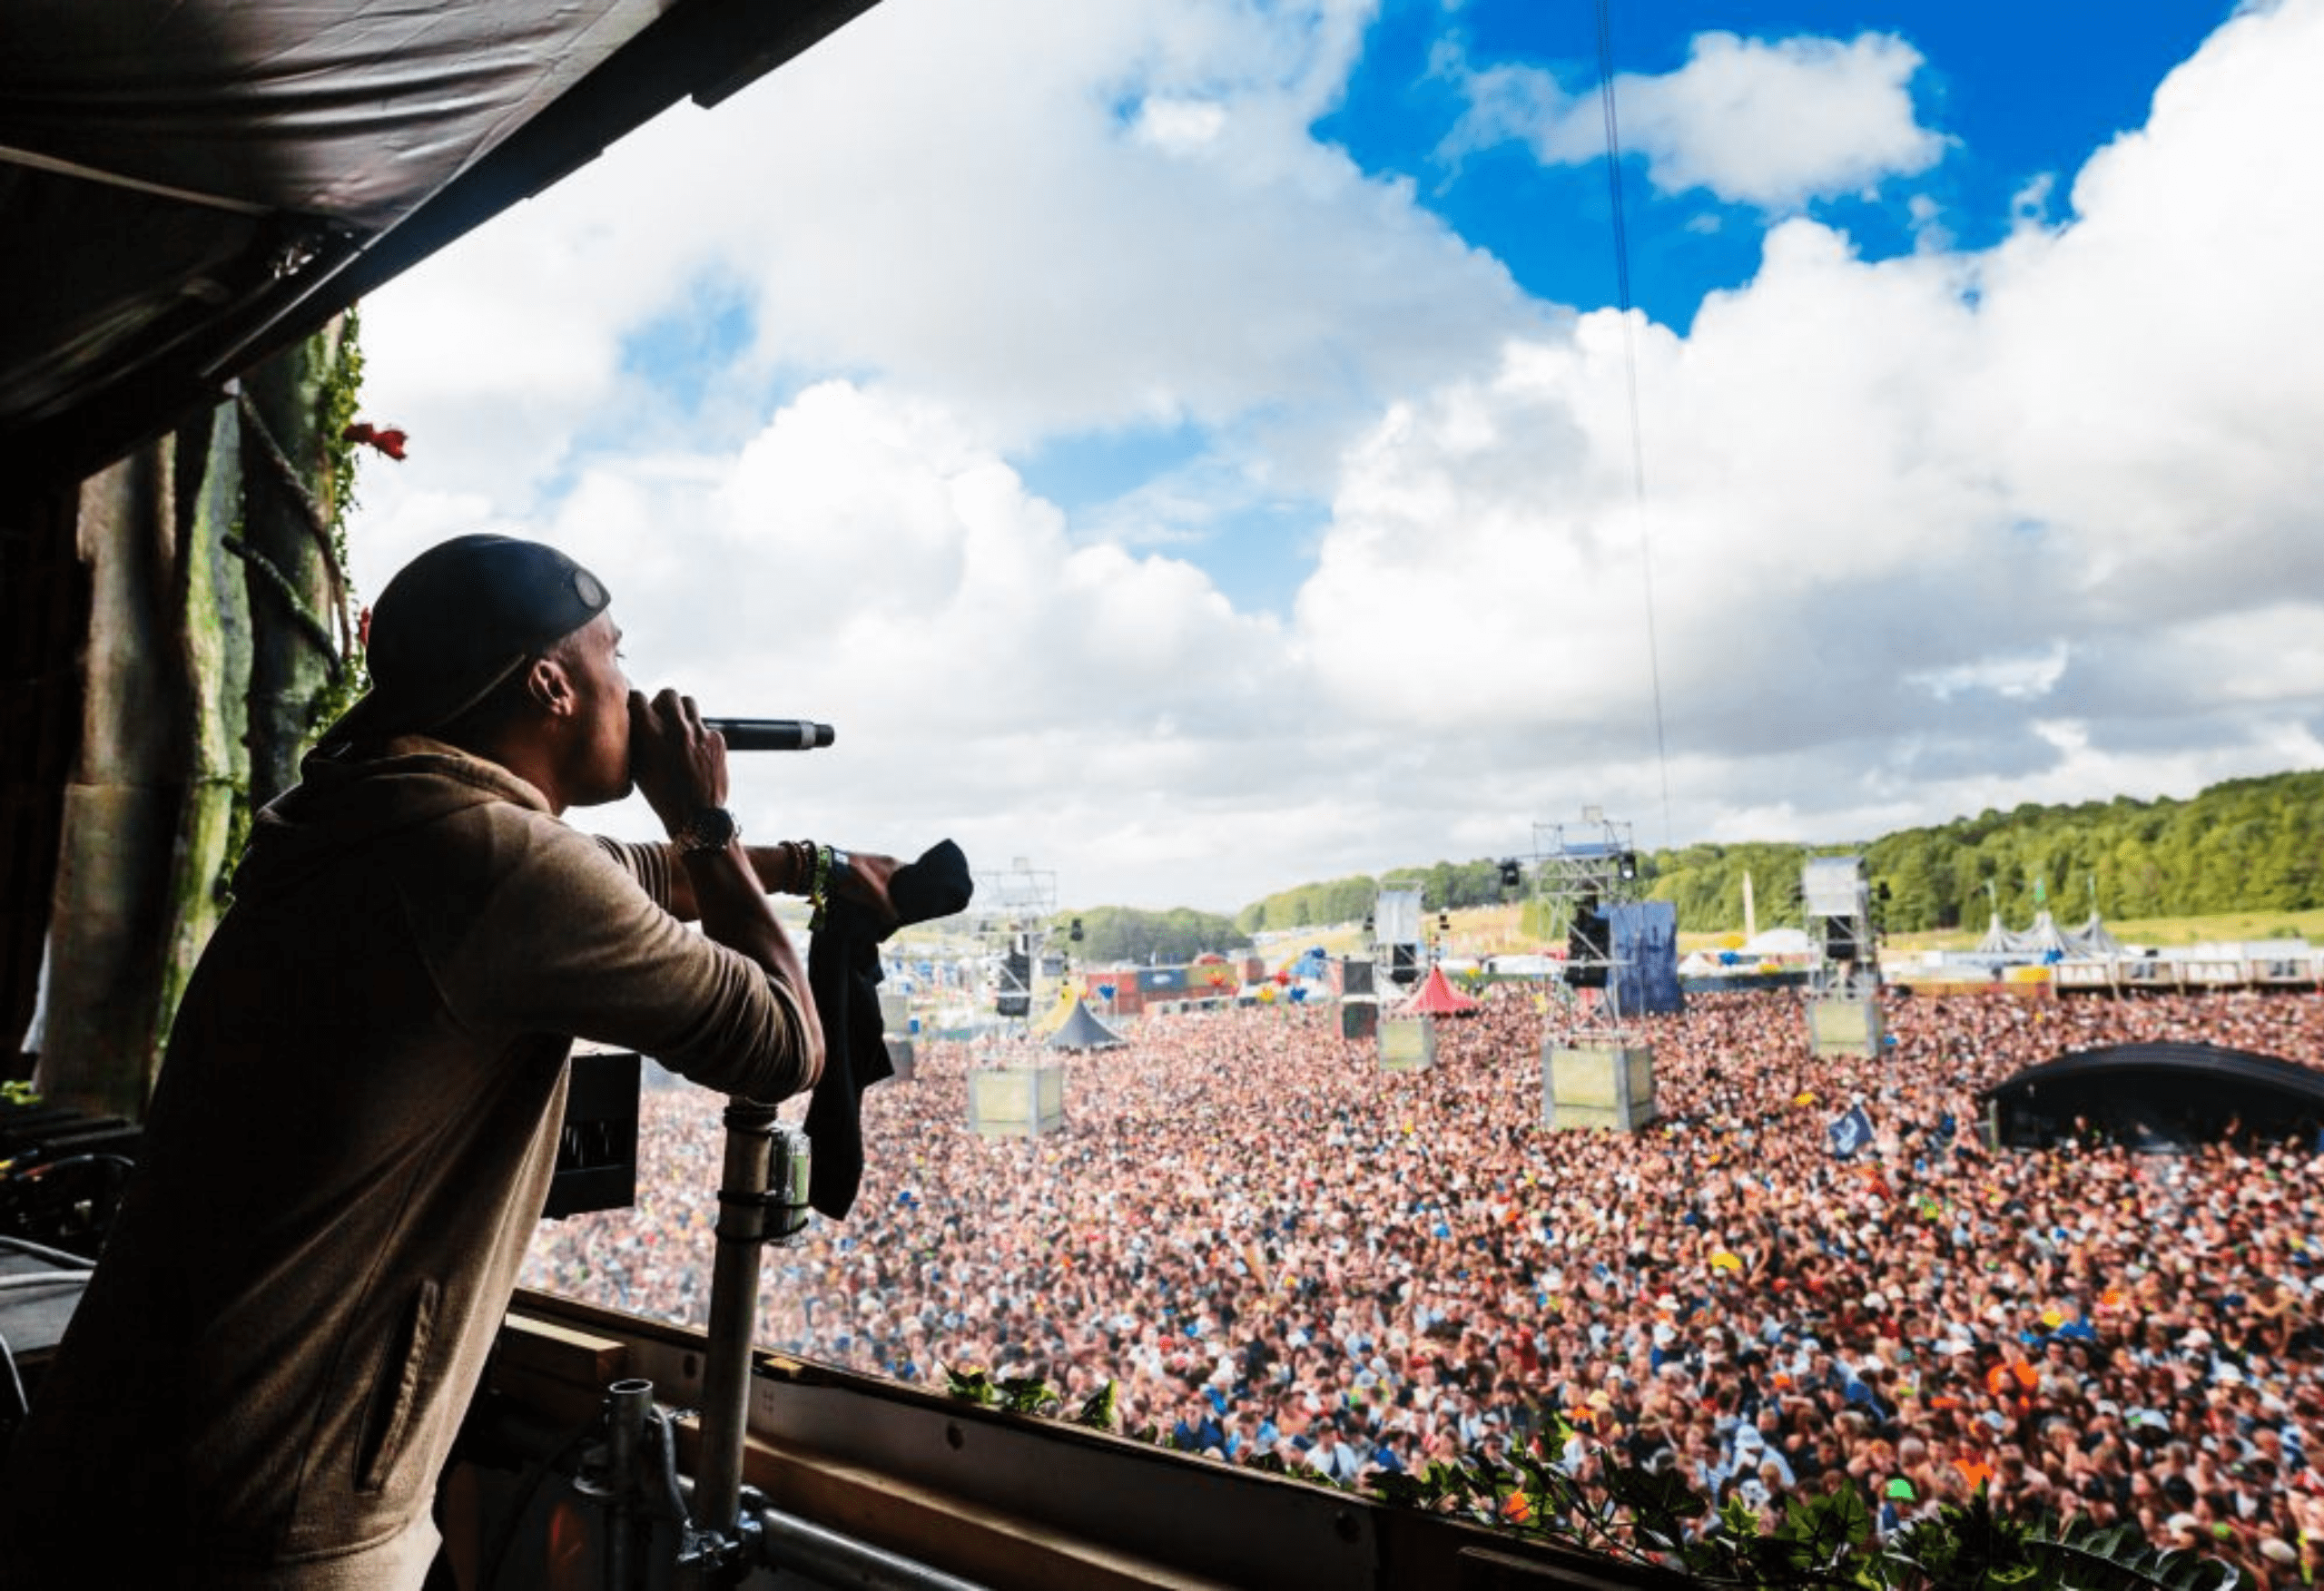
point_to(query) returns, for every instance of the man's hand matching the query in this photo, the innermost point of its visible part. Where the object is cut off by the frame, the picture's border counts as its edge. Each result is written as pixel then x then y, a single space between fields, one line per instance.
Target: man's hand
pixel 680 767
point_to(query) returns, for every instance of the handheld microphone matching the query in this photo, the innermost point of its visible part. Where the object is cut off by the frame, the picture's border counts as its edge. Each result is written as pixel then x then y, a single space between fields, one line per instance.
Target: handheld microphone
pixel 770 734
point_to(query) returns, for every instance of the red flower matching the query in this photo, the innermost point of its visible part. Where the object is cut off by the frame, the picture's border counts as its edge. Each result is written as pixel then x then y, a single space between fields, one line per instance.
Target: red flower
pixel 388 439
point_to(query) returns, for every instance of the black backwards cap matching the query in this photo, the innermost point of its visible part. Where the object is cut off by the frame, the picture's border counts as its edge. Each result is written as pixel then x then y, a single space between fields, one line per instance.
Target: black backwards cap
pixel 456 622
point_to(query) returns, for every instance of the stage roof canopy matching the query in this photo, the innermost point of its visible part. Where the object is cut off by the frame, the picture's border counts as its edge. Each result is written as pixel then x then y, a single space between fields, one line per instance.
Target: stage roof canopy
pixel 188 185
pixel 2156 1096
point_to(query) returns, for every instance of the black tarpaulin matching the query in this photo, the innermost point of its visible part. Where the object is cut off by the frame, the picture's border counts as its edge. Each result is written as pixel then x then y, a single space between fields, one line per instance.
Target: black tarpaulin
pixel 187 184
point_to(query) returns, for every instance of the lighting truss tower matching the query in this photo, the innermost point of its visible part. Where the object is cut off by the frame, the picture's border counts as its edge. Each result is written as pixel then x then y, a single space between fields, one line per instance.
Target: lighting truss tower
pixel 1011 917
pixel 1844 990
pixel 1397 941
pixel 1581 872
pixel 1593 1075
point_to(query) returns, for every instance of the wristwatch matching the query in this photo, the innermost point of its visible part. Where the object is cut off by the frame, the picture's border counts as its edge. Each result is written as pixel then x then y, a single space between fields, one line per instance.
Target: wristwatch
pixel 710 829
pixel 838 861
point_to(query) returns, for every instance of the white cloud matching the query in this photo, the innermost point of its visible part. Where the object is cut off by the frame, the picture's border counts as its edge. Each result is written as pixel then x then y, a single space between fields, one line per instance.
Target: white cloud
pixel 2020 676
pixel 1772 124
pixel 1181 126
pixel 862 562
pixel 1924 535
pixel 1130 224
pixel 2062 482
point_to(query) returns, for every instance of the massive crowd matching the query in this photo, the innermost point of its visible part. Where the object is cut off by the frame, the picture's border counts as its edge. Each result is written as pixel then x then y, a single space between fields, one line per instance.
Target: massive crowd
pixel 1272 1246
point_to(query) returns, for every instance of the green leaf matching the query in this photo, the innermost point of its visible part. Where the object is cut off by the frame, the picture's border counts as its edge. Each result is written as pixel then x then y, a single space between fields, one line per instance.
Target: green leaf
pixel 1097 1410
pixel 1739 1518
pixel 2120 1559
pixel 1404 1490
pixel 971 1385
pixel 1026 1394
pixel 1479 1477
pixel 1661 1499
pixel 1816 1535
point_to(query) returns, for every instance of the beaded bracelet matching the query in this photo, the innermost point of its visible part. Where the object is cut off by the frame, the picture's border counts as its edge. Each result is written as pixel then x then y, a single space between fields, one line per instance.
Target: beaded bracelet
pixel 820 892
pixel 799 865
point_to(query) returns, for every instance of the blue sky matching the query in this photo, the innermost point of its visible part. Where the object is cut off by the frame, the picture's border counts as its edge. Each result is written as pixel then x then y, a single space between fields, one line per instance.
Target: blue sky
pixel 1190 445
pixel 2025 92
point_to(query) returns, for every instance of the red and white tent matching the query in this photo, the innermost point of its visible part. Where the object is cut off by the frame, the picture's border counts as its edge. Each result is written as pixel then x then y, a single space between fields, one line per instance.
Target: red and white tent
pixel 1436 996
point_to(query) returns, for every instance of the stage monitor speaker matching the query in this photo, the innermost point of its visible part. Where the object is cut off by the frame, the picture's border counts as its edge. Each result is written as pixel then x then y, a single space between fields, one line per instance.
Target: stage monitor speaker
pixel 1586 949
pixel 1840 940
pixel 1016 993
pixel 1404 963
pixel 597 1146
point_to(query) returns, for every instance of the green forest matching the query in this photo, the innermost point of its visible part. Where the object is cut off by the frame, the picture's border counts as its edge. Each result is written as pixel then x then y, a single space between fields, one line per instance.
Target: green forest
pixel 1443 886
pixel 2249 844
pixel 1122 935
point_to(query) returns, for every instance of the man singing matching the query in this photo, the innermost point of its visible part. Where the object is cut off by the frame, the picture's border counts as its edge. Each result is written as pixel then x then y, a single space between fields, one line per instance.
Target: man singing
pixel 355 1126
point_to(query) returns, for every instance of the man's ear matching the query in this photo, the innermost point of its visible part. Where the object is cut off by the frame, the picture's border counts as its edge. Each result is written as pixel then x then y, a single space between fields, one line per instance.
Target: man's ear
pixel 550 687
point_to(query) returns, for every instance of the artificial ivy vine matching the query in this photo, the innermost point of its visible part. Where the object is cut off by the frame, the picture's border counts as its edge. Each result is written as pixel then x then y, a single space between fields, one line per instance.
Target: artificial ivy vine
pixel 341 394
pixel 338 637
pixel 1654 1518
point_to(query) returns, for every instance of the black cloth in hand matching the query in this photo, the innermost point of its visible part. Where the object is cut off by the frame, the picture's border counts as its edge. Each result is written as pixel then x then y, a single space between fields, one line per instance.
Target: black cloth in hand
pixel 843 971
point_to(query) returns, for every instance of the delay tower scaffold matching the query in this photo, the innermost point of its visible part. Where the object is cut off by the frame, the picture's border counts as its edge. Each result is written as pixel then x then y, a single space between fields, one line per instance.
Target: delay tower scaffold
pixel 1593 1074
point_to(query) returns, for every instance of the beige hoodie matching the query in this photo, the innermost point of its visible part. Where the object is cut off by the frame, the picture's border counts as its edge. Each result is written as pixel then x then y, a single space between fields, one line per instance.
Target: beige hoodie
pixel 346 1153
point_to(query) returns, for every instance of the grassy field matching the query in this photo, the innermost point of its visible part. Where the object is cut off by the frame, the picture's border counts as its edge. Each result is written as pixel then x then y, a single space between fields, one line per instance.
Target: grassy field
pixel 2224 928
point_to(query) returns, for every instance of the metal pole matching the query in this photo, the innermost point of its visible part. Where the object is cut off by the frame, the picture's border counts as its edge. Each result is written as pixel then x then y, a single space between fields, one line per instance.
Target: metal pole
pixel 794 1544
pixel 789 1544
pixel 628 1403
pixel 734 1314
pixel 43 1252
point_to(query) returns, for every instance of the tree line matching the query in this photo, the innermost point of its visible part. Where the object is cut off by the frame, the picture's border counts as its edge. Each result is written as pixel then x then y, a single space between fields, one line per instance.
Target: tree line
pixel 1126 935
pixel 2245 844
pixel 1443 886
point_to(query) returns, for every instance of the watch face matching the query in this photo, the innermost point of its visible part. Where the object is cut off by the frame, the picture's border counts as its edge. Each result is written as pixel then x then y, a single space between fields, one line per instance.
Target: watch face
pixel 712 829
